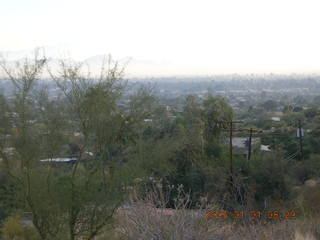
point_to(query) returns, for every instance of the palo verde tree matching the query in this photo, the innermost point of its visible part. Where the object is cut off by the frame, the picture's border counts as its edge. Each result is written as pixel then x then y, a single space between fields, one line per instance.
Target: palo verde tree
pixel 22 138
pixel 70 201
pixel 216 113
pixel 96 186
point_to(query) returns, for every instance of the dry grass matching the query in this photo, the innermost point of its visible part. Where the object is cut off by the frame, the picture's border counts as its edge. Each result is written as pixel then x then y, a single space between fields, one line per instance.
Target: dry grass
pixel 144 224
pixel 144 221
pixel 299 236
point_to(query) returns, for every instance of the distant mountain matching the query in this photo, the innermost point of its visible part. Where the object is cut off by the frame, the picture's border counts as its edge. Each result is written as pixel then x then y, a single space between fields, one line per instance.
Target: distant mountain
pixel 133 67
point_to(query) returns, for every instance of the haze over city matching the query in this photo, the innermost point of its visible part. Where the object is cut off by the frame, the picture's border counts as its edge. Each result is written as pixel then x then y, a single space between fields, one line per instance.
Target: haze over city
pixel 170 37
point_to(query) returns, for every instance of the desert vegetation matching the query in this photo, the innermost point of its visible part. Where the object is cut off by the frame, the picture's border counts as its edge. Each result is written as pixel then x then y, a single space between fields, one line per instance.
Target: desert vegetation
pixel 93 156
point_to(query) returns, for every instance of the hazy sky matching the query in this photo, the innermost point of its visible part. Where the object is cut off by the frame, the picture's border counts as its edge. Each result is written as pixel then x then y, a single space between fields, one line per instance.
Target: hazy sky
pixel 172 36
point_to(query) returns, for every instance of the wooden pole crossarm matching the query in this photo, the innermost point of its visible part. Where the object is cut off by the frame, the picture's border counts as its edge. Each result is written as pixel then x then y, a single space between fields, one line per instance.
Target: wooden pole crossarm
pixel 253 130
pixel 236 121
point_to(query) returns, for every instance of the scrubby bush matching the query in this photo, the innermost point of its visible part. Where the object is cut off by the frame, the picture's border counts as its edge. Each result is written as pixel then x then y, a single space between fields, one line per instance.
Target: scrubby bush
pixel 268 174
pixel 144 221
pixel 13 229
pixel 308 201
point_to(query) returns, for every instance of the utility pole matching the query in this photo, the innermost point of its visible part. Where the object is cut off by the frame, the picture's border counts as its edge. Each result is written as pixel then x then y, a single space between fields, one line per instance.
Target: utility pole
pixel 251 131
pixel 231 130
pixel 273 141
pixel 249 147
pixel 300 139
pixel 232 189
pixel 230 147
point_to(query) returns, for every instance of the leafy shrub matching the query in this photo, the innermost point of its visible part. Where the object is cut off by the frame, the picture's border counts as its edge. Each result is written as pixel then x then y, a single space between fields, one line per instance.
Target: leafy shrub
pixel 268 174
pixel 301 171
pixel 13 229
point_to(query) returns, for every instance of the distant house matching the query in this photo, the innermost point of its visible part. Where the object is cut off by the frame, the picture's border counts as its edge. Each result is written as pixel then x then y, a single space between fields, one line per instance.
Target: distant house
pixel 275 119
pixel 265 148
pixel 9 150
pixel 77 134
pixel 89 153
pixel 240 144
pixel 59 160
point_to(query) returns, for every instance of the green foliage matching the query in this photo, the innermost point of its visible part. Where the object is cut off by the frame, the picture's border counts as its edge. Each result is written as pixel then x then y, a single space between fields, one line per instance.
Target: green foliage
pixel 10 199
pixel 13 229
pixel 269 105
pixel 70 201
pixel 268 173
pixel 307 169
pixel 117 137
pixel 215 111
pixel 316 129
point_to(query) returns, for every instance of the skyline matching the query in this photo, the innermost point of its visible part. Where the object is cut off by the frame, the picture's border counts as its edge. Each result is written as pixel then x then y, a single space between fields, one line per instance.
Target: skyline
pixel 171 37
